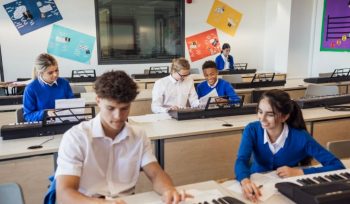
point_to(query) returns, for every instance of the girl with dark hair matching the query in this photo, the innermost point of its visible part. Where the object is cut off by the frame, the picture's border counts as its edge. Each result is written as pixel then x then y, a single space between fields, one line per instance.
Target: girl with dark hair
pixel 278 141
pixel 225 60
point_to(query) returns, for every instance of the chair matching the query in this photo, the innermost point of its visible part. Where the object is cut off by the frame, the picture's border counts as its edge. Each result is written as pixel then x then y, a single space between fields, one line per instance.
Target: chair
pixel 340 148
pixel 11 193
pixel 233 78
pixel 19 116
pixel 313 90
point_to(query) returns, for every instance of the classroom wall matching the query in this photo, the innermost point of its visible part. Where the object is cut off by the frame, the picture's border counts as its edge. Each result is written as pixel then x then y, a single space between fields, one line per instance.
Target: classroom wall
pixel 325 61
pixel 266 38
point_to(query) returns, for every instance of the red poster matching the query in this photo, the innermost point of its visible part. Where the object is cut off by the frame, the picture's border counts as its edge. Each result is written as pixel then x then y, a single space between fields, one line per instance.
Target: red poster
pixel 203 45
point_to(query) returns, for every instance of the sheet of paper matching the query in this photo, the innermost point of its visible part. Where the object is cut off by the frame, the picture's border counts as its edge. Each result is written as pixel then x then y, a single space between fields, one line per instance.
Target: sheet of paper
pixel 203 101
pixel 149 118
pixel 199 196
pixel 67 104
pixel 267 181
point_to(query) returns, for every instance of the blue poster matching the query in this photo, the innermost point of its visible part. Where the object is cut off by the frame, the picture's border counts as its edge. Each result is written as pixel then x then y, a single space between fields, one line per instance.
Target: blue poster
pixel 71 44
pixel 29 15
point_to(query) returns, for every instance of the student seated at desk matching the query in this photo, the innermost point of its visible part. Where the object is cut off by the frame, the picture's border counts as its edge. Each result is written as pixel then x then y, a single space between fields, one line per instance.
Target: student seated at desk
pixel 176 90
pixel 225 60
pixel 214 86
pixel 102 158
pixel 47 86
pixel 278 141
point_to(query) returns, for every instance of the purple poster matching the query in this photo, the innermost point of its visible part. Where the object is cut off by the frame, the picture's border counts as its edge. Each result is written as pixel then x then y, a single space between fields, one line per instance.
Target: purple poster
pixel 336 26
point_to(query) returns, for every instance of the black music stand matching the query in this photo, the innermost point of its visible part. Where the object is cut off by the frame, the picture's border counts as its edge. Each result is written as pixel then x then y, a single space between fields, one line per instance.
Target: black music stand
pixel 263 77
pixel 223 102
pixel 158 70
pixel 343 72
pixel 240 66
pixel 69 115
pixel 83 73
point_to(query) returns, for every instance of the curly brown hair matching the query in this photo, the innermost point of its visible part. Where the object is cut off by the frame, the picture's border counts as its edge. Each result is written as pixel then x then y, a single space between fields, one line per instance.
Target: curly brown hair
pixel 116 85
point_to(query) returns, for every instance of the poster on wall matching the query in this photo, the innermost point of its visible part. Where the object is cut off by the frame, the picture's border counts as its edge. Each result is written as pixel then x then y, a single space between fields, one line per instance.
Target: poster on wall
pixel 70 44
pixel 335 34
pixel 224 17
pixel 28 16
pixel 203 45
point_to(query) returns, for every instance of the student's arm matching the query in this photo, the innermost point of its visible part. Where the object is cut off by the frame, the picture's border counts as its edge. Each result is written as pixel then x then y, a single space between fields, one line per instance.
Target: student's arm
pixel 158 99
pixel 329 161
pixel 162 184
pixel 67 192
pixel 230 92
pixel 231 62
pixel 30 112
pixel 219 62
pixel 192 96
pixel 69 92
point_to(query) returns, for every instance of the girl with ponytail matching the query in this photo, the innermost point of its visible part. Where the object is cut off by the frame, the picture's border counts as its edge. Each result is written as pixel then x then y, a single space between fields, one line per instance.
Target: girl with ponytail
pixel 278 141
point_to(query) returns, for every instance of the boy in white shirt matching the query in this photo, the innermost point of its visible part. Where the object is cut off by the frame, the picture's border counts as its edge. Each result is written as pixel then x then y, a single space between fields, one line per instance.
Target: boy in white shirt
pixel 101 158
pixel 176 90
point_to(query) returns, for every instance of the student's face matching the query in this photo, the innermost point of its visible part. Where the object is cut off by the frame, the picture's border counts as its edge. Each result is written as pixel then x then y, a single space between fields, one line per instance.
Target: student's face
pixel 51 74
pixel 269 120
pixel 113 115
pixel 181 75
pixel 226 51
pixel 211 75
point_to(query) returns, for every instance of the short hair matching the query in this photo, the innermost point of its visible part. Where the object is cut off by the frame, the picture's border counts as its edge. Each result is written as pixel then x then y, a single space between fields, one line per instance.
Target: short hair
pixel 209 64
pixel 180 64
pixel 42 62
pixel 116 85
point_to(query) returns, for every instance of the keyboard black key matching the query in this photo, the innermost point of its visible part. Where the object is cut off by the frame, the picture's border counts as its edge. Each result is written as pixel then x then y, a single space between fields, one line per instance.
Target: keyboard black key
pixel 215 201
pixel 231 200
pixel 320 179
pixel 346 175
pixel 310 181
pixel 302 182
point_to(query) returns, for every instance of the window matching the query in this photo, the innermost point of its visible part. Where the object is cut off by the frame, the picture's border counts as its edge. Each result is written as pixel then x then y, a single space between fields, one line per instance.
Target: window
pixel 139 31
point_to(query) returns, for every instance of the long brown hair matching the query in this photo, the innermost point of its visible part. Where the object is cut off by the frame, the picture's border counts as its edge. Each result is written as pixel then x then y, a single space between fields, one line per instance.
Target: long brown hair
pixel 281 102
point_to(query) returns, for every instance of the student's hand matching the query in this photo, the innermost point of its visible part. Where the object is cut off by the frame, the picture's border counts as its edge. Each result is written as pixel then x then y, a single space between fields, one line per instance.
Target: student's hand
pixel 250 190
pixel 286 171
pixel 173 108
pixel 51 113
pixel 173 196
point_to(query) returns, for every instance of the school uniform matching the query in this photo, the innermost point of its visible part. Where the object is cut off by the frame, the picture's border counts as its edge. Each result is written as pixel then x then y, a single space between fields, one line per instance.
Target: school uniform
pixel 106 167
pixel 222 88
pixel 169 92
pixel 224 63
pixel 294 146
pixel 39 95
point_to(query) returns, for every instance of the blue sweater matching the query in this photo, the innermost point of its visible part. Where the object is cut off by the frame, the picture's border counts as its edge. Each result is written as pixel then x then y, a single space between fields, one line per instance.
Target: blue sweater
pixel 298 145
pixel 39 96
pixel 220 63
pixel 223 88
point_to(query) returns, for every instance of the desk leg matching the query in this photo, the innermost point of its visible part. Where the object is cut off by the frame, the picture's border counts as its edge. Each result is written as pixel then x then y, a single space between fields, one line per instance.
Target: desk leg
pixel 55 156
pixel 159 147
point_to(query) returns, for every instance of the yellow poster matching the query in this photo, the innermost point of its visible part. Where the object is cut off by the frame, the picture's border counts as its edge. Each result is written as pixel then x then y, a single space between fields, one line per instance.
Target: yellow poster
pixel 224 17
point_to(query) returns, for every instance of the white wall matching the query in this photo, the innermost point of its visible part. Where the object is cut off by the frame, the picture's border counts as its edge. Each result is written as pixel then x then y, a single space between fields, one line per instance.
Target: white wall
pixel 325 61
pixel 19 52
pixel 301 38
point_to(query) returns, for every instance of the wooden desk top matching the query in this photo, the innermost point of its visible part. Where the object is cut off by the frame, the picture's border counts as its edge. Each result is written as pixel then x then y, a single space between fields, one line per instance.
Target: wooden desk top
pixel 18 148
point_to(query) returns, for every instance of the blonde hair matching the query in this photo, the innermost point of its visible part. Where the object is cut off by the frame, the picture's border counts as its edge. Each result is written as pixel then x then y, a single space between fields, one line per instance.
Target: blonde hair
pixel 42 62
pixel 180 64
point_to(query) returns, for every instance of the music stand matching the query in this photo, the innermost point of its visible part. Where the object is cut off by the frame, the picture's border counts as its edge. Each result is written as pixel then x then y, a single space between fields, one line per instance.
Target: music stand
pixel 263 77
pixel 343 72
pixel 240 66
pixel 68 115
pixel 83 73
pixel 158 70
pixel 215 102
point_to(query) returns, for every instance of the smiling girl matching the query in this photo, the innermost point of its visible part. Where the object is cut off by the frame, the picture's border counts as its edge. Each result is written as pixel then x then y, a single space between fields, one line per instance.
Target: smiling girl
pixel 278 141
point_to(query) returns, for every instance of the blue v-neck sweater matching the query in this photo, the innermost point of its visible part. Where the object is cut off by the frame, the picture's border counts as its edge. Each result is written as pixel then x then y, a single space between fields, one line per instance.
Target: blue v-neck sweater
pixel 39 96
pixel 298 145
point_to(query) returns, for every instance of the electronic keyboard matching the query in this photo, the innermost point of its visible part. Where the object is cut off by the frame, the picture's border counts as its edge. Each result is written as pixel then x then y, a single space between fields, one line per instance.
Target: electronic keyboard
pixel 322 101
pixel 195 113
pixel 319 80
pixel 327 187
pixel 237 71
pixel 257 84
pixel 149 76
pixel 11 100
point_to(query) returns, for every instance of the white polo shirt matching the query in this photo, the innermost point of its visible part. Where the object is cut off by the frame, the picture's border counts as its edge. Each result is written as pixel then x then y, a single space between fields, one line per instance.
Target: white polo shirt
pixel 279 143
pixel 106 167
pixel 168 92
